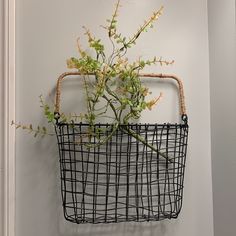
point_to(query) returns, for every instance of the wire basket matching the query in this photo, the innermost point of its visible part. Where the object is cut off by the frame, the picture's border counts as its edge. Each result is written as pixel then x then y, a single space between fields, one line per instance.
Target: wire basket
pixel 124 179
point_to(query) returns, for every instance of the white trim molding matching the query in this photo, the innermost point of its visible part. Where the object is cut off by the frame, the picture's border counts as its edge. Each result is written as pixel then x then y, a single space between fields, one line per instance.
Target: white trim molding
pixel 9 115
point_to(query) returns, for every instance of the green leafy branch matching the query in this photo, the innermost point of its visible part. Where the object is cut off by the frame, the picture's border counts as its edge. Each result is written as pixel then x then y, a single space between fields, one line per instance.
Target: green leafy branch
pixel 36 131
pixel 116 83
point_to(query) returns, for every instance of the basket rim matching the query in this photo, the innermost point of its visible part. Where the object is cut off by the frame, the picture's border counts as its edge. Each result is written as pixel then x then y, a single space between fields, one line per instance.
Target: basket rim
pixel 124 125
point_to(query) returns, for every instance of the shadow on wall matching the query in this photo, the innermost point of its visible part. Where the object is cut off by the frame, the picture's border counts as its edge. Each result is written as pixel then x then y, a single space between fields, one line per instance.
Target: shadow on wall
pixel 48 194
pixel 120 229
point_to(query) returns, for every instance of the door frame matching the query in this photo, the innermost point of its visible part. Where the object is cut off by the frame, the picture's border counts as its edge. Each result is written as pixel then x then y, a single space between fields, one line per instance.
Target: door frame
pixel 8 111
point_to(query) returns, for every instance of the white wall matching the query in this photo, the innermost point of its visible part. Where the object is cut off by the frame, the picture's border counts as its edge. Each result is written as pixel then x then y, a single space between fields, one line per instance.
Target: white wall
pixel 46 33
pixel 222 40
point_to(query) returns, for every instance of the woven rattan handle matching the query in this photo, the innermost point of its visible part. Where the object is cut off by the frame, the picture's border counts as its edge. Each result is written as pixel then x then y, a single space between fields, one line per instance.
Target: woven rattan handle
pixel 163 76
pixel 180 87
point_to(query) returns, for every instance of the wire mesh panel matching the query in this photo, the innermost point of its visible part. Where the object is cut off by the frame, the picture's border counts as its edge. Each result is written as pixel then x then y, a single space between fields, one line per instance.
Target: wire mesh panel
pixel 124 178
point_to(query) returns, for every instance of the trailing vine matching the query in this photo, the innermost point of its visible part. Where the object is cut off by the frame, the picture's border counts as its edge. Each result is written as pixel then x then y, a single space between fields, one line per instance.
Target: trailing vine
pixel 115 85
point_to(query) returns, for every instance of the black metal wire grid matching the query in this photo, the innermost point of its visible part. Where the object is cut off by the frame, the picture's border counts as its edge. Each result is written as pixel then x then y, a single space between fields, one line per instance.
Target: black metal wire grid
pixel 123 179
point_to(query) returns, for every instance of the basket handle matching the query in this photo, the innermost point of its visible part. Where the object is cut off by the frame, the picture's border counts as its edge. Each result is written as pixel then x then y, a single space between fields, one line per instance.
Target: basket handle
pixel 162 76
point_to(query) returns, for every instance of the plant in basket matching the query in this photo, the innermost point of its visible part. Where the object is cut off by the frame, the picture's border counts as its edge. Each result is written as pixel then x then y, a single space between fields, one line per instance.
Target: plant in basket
pixel 119 171
pixel 115 85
